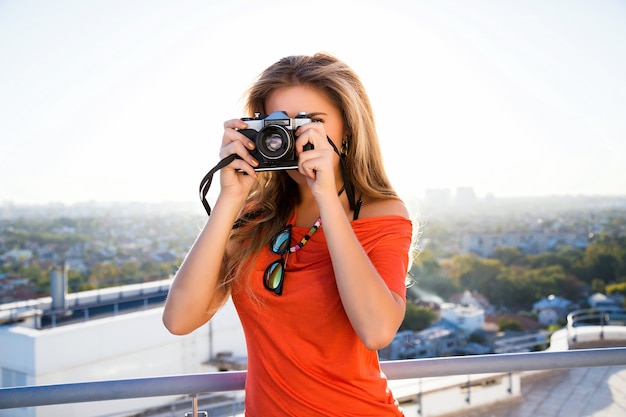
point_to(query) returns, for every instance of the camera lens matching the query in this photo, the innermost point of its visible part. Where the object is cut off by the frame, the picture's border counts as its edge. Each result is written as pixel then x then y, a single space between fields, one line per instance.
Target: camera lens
pixel 273 142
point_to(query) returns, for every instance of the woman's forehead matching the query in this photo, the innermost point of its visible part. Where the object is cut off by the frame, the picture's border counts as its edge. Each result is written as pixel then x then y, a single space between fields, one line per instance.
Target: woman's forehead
pixel 295 99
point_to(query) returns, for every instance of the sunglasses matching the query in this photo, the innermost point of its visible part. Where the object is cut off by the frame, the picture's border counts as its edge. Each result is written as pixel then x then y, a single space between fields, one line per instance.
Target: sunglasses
pixel 275 272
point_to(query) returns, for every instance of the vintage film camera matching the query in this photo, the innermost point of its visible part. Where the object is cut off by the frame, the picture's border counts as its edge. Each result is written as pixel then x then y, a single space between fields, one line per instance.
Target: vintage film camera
pixel 275 139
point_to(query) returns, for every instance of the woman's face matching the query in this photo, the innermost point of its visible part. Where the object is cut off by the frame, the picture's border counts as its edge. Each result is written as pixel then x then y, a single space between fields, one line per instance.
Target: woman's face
pixel 301 98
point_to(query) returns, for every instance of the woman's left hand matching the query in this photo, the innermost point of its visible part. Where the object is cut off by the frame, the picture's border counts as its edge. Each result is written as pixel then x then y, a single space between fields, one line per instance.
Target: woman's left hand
pixel 319 164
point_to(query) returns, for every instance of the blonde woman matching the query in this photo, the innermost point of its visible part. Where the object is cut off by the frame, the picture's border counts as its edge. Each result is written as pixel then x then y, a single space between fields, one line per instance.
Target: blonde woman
pixel 315 258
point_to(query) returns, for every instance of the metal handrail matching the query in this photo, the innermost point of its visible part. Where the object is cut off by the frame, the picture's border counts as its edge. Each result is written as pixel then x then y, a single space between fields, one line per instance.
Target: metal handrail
pixel 595 318
pixel 30 396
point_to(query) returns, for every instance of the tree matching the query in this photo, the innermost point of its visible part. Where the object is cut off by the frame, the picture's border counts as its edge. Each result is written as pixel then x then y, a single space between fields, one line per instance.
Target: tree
pixel 427 263
pixel 469 272
pixel 598 285
pixel 549 280
pixel 567 257
pixel 505 324
pixel 573 288
pixel 102 273
pixel 605 259
pixel 427 275
pixel 76 279
pixel 617 288
pixel 510 256
pixel 37 276
pixel 514 289
pixel 417 318
pixel 129 269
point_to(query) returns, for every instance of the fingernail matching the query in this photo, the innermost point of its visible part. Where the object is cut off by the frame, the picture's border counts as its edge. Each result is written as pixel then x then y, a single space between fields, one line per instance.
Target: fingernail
pixel 254 162
pixel 251 145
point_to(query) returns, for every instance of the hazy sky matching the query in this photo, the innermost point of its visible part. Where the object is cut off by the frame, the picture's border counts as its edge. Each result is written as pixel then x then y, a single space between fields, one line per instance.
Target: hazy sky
pixel 125 100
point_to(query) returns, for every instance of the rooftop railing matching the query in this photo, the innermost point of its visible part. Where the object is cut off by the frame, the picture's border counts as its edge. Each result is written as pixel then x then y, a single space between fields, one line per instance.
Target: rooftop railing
pixel 30 396
pixel 603 320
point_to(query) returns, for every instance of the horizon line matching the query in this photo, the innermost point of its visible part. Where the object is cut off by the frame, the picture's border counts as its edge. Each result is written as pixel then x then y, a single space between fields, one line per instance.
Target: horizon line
pixel 488 196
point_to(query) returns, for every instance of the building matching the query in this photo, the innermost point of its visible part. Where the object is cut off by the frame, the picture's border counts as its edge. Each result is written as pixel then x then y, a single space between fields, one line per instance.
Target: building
pixel 468 318
pixel 440 339
pixel 484 244
pixel 110 334
pixel 446 337
pixel 465 197
pixel 471 298
pixel 601 301
pixel 551 309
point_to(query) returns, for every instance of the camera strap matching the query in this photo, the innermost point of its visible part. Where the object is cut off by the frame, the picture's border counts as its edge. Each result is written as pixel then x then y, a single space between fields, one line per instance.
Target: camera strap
pixel 205 184
pixel 346 180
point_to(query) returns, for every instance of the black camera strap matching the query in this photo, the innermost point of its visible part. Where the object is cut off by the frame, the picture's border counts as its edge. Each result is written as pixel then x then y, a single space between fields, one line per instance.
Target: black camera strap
pixel 344 173
pixel 205 184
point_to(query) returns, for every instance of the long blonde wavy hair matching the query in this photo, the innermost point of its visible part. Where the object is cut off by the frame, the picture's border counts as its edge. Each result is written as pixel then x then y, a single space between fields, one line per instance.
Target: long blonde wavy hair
pixel 275 195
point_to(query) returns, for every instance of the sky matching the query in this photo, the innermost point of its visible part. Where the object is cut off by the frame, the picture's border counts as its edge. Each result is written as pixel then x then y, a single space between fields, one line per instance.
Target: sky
pixel 124 100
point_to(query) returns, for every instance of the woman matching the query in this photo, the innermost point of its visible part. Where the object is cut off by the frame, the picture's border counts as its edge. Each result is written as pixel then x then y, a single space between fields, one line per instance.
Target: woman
pixel 317 278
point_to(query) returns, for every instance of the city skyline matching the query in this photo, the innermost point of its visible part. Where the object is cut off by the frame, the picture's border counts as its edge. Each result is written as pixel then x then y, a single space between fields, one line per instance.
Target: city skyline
pixel 124 102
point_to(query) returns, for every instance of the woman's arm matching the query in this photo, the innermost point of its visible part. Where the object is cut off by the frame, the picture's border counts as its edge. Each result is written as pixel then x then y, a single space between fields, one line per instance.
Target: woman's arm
pixel 374 311
pixel 195 294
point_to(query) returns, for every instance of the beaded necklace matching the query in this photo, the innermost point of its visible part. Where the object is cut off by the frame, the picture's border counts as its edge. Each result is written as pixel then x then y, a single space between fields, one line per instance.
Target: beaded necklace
pixel 312 230
pixel 306 237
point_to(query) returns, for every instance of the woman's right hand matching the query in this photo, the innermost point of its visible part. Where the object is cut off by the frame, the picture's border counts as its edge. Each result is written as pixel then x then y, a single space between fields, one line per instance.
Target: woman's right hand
pixel 238 177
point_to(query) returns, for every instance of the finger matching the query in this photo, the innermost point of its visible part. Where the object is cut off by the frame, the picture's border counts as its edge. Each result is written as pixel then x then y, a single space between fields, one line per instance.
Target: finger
pixel 242 167
pixel 232 133
pixel 320 161
pixel 234 124
pixel 314 135
pixel 307 168
pixel 233 136
pixel 235 142
pixel 239 149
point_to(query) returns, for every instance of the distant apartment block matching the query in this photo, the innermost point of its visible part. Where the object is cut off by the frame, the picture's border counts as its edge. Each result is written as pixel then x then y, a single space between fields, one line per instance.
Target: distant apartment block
pixel 484 244
pixel 441 197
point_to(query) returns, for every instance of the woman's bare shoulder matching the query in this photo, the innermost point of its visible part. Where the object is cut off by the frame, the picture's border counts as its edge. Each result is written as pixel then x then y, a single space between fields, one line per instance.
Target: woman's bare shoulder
pixel 386 207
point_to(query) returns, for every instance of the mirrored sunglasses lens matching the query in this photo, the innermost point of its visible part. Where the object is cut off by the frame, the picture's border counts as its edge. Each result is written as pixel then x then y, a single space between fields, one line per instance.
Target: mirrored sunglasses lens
pixel 280 242
pixel 273 278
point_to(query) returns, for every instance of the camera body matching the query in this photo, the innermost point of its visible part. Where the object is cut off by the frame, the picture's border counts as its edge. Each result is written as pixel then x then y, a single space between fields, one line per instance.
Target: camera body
pixel 274 137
